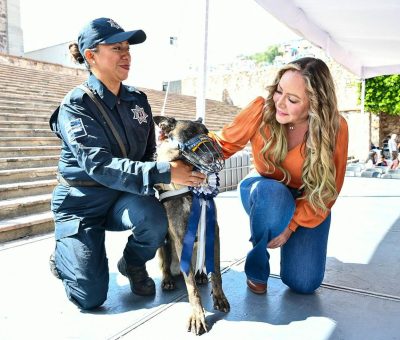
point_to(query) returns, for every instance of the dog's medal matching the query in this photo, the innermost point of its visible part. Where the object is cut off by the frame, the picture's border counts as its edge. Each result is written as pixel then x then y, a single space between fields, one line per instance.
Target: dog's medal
pixel 201 223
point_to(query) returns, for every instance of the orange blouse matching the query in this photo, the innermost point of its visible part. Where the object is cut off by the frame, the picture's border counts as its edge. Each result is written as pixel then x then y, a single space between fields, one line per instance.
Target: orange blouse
pixel 245 127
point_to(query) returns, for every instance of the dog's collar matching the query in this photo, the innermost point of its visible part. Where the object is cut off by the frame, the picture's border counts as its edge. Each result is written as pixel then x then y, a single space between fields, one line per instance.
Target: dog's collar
pixel 172 194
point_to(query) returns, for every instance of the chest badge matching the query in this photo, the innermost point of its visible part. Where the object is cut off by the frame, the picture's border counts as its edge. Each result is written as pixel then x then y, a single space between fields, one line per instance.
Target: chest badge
pixel 139 114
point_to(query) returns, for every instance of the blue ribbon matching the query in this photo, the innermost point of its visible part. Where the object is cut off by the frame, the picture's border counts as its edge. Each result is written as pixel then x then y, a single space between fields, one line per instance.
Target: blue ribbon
pixel 190 236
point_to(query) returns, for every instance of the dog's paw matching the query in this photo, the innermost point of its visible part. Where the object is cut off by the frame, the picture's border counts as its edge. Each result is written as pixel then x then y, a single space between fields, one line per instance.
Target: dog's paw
pixel 201 278
pixel 168 284
pixel 197 323
pixel 221 303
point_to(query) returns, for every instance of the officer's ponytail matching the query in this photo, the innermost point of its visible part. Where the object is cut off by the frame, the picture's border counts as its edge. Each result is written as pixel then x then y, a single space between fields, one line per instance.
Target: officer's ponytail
pixel 74 50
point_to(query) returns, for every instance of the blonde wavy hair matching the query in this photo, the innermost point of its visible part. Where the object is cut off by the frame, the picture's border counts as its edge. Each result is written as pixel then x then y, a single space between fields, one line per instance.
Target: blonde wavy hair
pixel 318 173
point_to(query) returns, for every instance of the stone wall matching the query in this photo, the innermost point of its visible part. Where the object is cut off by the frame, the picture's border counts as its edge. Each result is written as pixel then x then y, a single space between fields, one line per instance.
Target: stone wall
pixel 244 81
pixel 39 65
pixel 359 134
pixel 388 124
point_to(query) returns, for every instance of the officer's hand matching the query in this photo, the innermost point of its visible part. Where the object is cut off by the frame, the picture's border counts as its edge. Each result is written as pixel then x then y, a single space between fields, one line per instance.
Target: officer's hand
pixel 182 173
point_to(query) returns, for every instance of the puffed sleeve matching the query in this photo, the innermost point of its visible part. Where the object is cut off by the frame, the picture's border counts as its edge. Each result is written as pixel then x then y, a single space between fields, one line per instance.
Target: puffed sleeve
pixel 235 136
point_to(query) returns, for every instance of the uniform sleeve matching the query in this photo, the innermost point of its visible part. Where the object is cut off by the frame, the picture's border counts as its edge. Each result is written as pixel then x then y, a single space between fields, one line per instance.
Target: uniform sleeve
pixel 304 214
pixel 87 141
pixel 235 136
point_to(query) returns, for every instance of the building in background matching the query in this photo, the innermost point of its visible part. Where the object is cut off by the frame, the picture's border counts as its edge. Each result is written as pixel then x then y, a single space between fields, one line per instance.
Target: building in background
pixel 11 36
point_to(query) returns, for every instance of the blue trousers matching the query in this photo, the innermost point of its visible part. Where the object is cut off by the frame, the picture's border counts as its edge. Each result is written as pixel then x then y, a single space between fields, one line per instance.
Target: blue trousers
pixel 80 253
pixel 270 206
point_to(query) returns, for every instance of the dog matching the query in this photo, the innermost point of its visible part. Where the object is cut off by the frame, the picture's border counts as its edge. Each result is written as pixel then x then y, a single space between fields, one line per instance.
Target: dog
pixel 175 134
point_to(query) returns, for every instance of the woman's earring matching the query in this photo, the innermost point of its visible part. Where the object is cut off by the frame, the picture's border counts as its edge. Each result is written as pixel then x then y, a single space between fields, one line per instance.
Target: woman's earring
pixel 93 62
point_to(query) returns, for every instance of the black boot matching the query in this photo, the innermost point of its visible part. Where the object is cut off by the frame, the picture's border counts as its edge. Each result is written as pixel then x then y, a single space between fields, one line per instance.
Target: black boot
pixel 53 269
pixel 141 283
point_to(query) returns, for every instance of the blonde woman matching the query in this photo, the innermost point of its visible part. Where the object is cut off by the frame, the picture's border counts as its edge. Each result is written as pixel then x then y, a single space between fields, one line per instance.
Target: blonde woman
pixel 299 143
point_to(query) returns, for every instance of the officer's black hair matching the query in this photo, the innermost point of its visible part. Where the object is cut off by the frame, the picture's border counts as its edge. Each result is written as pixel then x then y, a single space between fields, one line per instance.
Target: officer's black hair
pixel 77 56
pixel 74 50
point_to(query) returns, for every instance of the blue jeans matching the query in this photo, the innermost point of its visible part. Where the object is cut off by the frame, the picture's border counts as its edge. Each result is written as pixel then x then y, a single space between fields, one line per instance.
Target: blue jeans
pixel 80 255
pixel 270 206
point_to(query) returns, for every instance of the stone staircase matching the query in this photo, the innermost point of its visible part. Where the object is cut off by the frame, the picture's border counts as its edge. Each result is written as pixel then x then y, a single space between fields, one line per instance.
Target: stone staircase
pixel 29 151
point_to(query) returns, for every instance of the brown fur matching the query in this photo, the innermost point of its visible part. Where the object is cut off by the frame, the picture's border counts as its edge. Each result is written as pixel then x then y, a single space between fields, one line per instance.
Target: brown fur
pixel 178 211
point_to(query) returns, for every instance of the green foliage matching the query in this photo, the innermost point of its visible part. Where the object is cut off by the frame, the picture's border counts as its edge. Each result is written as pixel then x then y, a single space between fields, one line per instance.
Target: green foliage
pixel 266 57
pixel 382 94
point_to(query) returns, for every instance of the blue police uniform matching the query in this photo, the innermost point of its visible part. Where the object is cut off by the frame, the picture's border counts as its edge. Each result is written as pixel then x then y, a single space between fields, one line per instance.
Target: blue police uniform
pixel 100 189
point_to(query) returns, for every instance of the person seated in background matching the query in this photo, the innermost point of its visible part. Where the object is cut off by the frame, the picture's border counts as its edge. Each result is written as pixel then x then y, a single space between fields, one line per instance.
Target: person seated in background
pixel 382 161
pixel 395 160
pixel 392 143
pixel 371 160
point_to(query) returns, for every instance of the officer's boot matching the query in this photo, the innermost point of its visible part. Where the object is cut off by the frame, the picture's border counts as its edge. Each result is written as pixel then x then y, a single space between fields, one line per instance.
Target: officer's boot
pixel 53 268
pixel 141 283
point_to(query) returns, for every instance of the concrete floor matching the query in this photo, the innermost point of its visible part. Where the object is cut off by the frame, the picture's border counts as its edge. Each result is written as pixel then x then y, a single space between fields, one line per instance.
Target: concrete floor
pixel 360 297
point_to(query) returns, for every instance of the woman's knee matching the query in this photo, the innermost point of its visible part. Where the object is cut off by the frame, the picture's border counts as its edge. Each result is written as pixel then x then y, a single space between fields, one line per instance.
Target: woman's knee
pixel 303 285
pixel 267 189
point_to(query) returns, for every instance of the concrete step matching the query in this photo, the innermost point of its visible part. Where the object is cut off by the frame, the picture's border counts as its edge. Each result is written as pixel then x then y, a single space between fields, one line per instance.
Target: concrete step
pixel 33 79
pixel 8 132
pixel 32 141
pixel 27 175
pixel 26 103
pixel 15 190
pixel 16 151
pixel 27 110
pixel 9 124
pixel 42 94
pixel 45 92
pixel 6 116
pixel 27 162
pixel 29 225
pixel 18 207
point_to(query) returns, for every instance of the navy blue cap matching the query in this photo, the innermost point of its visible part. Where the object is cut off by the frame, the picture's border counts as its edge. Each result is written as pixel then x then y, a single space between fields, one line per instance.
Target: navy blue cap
pixel 106 31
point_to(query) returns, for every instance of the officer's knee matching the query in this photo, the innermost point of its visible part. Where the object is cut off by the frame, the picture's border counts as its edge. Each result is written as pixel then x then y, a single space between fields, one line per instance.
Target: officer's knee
pixel 88 296
pixel 153 234
pixel 303 285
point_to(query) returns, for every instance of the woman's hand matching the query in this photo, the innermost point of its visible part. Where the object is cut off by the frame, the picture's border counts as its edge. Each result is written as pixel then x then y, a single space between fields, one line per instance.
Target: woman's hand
pixel 280 240
pixel 182 173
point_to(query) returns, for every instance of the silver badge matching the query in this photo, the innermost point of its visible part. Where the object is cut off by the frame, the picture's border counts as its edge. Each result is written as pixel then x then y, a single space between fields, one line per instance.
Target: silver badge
pixel 114 24
pixel 139 114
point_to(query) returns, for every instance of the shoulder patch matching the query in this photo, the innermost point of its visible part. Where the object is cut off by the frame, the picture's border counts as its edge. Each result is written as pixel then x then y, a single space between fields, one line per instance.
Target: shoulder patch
pixel 76 130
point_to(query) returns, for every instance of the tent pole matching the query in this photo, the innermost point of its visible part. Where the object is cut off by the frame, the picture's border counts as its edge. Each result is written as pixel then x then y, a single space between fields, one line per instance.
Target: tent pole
pixel 201 93
pixel 362 95
pixel 363 111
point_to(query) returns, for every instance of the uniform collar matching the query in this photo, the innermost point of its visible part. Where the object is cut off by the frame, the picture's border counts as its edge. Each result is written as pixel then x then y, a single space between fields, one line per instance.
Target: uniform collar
pixel 106 95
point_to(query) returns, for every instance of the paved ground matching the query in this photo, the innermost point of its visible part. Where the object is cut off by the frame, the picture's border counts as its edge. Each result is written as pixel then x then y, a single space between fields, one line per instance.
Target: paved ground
pixel 360 297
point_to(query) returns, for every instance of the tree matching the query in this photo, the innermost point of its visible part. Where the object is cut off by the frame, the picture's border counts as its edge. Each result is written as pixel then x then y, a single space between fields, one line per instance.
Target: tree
pixel 266 57
pixel 382 94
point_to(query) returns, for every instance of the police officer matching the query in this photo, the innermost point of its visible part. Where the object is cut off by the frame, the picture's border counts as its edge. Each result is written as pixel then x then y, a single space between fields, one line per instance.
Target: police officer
pixel 107 170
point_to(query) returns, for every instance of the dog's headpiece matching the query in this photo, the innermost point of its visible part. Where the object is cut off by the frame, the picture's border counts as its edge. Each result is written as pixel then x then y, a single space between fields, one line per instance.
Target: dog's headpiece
pixel 204 153
pixel 201 150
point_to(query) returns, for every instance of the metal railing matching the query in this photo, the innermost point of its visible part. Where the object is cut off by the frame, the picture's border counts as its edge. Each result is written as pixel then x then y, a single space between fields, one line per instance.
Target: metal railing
pixel 236 168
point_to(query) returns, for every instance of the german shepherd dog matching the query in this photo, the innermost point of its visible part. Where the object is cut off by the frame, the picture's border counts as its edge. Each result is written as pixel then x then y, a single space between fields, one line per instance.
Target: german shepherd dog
pixel 178 210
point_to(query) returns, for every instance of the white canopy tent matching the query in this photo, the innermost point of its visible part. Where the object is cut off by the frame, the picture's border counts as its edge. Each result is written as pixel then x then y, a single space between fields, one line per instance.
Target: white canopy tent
pixel 362 35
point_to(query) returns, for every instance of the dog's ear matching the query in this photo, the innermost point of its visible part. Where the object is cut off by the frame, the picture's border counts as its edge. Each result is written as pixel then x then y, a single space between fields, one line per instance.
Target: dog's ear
pixel 199 120
pixel 166 124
